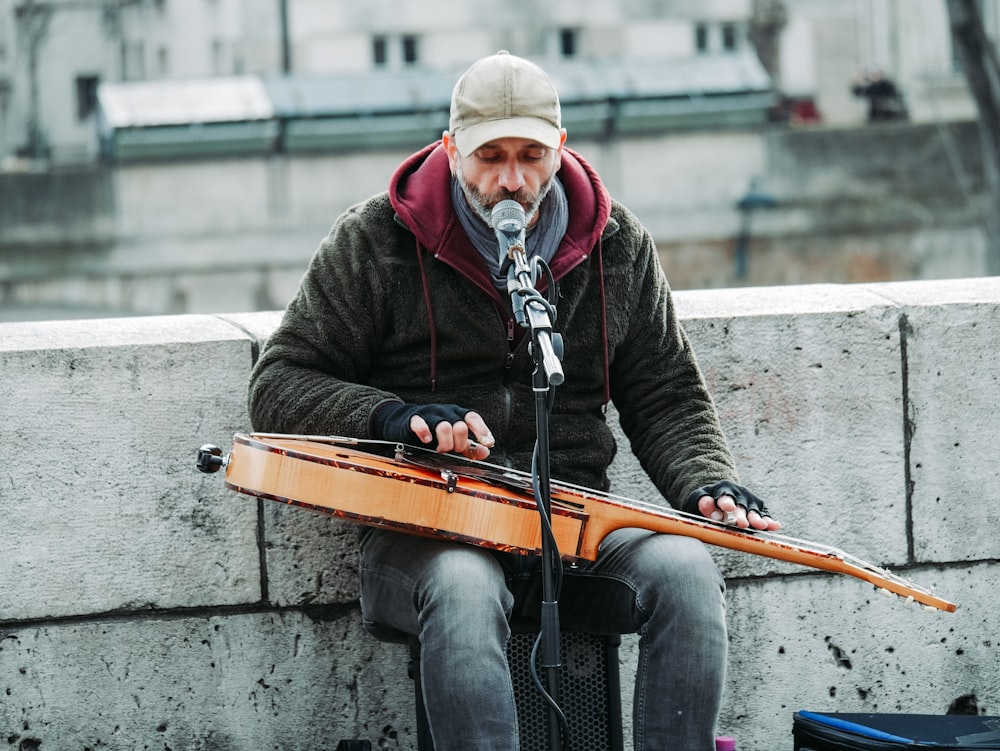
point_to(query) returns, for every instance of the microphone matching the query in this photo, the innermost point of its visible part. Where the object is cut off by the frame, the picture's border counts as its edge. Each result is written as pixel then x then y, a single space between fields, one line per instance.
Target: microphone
pixel 508 220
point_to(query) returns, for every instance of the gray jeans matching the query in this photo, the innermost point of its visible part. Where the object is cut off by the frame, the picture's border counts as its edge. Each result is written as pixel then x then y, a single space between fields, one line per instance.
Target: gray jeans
pixel 458 599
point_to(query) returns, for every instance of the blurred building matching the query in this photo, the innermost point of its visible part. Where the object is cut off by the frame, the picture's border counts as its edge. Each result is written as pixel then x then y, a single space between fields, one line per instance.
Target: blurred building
pixel 175 156
pixel 55 54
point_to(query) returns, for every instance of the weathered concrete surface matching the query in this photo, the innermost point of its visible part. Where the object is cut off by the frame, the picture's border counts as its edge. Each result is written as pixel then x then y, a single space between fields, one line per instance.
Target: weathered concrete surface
pixel 142 605
pixel 224 682
pixel 101 510
pixel 953 393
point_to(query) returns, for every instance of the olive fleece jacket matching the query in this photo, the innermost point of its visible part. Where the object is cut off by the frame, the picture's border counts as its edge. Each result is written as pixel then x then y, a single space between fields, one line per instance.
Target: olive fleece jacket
pixel 397 305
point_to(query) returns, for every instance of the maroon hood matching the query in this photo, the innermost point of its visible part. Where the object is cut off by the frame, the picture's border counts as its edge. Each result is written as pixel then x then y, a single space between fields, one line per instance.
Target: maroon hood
pixel 420 192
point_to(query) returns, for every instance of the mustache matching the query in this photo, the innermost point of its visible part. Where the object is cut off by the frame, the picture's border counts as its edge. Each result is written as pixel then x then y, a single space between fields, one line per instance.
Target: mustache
pixel 521 196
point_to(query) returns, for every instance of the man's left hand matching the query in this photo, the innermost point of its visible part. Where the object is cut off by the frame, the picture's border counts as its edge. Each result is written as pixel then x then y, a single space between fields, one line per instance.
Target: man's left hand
pixel 732 504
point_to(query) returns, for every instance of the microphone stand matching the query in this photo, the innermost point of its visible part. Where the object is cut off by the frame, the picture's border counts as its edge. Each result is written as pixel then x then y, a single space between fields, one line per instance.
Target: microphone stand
pixel 533 311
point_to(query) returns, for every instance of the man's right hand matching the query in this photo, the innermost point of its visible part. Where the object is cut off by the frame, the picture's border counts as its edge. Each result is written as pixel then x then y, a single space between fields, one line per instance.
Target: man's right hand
pixel 443 427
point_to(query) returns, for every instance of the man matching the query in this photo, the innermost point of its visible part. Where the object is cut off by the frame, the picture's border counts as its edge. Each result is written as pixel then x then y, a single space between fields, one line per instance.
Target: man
pixel 402 330
pixel 885 101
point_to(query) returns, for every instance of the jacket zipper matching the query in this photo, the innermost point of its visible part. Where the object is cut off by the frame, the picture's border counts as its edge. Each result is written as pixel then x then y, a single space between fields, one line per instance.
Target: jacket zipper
pixel 509 361
pixel 507 398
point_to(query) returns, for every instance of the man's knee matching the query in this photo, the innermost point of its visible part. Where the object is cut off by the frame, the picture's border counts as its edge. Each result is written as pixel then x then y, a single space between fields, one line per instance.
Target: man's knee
pixel 467 577
pixel 684 571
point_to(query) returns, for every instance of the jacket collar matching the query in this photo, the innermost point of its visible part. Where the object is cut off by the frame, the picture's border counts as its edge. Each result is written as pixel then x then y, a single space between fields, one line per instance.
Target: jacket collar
pixel 420 192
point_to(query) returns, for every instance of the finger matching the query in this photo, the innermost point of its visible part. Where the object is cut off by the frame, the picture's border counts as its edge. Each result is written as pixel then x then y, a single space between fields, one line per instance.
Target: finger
pixel 763 522
pixel 708 508
pixel 445 433
pixel 772 525
pixel 726 503
pixel 479 429
pixel 475 450
pixel 420 429
pixel 732 513
pixel 463 443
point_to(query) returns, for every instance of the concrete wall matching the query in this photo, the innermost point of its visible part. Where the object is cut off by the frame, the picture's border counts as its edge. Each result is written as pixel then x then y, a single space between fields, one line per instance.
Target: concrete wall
pixel 143 605
pixel 68 207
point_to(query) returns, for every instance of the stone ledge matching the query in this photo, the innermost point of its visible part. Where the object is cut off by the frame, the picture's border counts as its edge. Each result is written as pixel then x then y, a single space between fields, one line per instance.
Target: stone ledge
pixel 862 413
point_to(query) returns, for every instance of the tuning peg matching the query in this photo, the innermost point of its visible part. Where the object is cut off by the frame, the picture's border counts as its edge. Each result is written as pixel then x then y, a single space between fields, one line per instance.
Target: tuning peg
pixel 210 459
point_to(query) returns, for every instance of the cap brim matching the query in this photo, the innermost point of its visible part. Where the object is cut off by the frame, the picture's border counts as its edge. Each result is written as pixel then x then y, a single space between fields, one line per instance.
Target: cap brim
pixel 469 139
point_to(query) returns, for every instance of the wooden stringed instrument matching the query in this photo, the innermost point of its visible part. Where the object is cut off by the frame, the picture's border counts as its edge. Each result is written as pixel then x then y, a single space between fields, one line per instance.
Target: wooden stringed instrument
pixel 418 491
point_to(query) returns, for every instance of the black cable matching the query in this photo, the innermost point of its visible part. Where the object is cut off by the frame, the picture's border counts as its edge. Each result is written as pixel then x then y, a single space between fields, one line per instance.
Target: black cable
pixel 546 522
pixel 556 564
pixel 531 295
pixel 547 697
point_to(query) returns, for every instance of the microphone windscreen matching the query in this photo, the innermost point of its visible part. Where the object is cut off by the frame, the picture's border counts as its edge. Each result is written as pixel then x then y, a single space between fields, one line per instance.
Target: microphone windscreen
pixel 508 215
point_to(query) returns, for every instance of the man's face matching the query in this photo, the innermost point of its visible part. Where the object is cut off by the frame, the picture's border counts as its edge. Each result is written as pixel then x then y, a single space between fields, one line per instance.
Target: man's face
pixel 507 168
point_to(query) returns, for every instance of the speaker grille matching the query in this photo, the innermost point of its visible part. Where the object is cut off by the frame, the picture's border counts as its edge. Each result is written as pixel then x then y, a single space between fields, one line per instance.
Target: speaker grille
pixel 588 692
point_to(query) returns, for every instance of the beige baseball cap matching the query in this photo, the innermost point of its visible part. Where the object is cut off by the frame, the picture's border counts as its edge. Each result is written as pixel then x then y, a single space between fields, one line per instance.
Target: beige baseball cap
pixel 504 96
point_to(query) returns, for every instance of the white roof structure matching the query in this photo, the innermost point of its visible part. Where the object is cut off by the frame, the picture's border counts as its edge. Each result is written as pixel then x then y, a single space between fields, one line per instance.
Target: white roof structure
pixel 183 102
pixel 249 114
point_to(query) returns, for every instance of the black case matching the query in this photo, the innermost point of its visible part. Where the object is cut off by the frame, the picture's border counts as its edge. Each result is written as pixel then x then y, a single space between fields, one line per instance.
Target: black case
pixel 835 731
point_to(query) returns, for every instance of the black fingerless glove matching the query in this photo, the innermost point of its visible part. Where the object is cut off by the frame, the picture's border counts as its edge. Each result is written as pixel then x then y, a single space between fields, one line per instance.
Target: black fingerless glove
pixel 742 496
pixel 391 421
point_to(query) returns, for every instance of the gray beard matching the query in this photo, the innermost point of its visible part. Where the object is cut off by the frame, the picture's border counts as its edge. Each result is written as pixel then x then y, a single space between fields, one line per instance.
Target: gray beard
pixel 478 204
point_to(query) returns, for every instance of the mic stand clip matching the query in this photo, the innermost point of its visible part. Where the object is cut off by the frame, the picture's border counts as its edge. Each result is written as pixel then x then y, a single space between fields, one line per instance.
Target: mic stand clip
pixel 532 310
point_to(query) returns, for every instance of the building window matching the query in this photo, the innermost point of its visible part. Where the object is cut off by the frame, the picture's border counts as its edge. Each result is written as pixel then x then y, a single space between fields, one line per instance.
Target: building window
pixel 163 62
pixel 410 49
pixel 568 42
pixel 701 37
pixel 710 38
pixel 86 96
pixel 380 51
pixel 729 37
pixel 133 61
pixel 221 62
pixel 390 51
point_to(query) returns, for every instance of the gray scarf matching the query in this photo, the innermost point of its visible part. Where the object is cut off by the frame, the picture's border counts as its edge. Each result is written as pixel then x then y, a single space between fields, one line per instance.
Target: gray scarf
pixel 542 241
